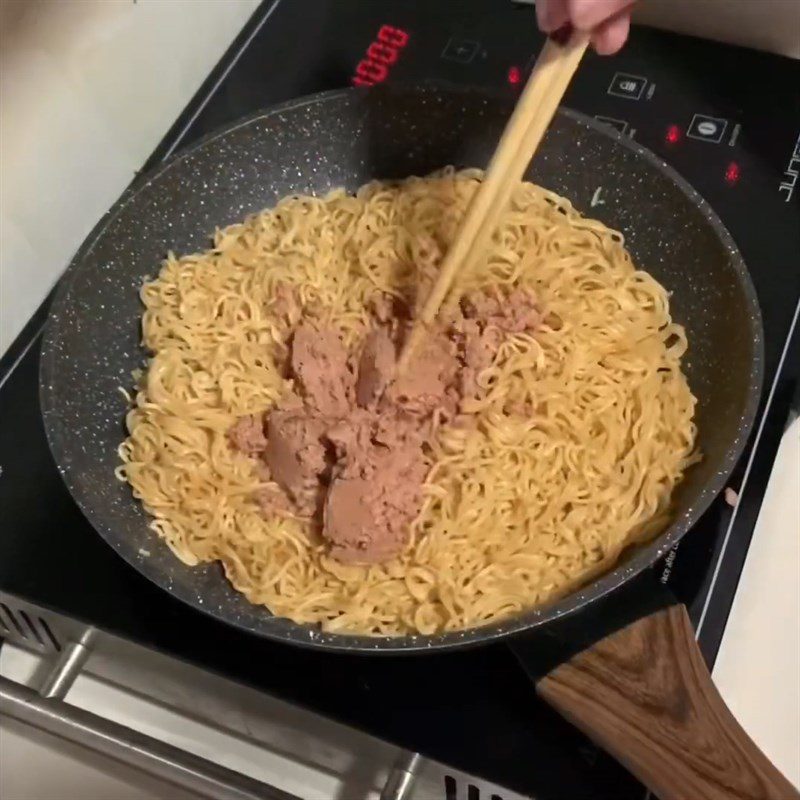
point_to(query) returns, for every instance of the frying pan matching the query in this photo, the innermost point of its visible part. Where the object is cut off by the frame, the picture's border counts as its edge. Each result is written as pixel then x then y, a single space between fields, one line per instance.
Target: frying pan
pixel 633 691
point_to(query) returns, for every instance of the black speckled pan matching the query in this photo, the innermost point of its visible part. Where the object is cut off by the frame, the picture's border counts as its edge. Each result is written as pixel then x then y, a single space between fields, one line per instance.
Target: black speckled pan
pixel 346 138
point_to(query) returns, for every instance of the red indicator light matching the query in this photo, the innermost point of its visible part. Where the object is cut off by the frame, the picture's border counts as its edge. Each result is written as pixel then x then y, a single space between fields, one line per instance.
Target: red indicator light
pixel 514 75
pixel 732 173
pixel 396 37
pixel 371 71
pixel 673 135
pixel 382 53
pixel 380 56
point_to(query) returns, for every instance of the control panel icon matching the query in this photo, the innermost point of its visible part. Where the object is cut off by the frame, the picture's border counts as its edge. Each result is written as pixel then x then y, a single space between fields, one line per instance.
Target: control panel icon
pixel 707 129
pixel 631 87
pixel 462 51
pixel 617 124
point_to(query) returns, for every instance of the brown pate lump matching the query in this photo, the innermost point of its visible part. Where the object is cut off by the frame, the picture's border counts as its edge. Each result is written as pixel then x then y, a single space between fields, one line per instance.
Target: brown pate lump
pixel 348 447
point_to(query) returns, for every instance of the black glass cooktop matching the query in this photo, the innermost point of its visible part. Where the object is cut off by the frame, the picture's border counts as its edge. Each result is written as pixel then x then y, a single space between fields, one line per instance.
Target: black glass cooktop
pixel 728 119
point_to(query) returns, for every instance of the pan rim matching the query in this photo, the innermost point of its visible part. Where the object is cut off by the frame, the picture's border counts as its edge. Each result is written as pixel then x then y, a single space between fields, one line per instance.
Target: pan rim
pixel 307 636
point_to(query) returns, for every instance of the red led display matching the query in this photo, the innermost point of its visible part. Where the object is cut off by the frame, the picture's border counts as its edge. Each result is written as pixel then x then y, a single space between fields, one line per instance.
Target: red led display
pixel 673 135
pixel 514 75
pixel 732 173
pixel 380 56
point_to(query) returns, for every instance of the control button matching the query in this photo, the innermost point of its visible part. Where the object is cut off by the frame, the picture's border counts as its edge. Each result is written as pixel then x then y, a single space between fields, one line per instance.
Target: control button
pixel 709 129
pixel 461 50
pixel 617 124
pixel 631 87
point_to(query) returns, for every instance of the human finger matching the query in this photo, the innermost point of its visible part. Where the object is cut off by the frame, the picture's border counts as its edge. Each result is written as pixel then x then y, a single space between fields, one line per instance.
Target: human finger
pixel 586 15
pixel 551 14
pixel 609 37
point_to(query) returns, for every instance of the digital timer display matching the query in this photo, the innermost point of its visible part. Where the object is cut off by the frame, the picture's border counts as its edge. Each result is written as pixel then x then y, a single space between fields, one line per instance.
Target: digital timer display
pixel 381 55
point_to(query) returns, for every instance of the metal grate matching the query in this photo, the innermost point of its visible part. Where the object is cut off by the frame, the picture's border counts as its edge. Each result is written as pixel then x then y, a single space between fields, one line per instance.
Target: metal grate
pixel 467 790
pixel 27 630
pixel 158 679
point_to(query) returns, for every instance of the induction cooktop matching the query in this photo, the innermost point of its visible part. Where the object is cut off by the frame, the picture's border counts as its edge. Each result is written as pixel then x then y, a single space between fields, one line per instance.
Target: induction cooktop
pixel 727 118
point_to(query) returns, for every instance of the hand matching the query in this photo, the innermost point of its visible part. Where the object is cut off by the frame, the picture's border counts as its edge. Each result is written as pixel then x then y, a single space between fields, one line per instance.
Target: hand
pixel 607 20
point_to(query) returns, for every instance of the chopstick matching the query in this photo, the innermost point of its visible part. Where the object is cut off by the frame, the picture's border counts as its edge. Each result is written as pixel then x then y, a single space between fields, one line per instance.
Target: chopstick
pixel 523 133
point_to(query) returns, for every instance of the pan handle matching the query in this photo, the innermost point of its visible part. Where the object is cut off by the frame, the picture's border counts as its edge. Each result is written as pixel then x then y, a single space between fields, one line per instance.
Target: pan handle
pixel 645 696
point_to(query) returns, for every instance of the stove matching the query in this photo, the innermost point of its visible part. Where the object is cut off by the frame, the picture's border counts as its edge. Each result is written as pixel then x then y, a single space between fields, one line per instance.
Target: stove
pixel 728 119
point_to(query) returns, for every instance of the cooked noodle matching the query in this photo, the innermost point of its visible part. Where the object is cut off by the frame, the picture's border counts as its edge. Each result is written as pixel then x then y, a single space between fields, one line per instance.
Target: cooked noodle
pixel 582 430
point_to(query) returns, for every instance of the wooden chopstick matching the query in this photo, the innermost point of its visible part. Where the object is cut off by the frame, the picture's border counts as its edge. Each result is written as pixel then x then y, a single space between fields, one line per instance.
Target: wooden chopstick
pixel 522 135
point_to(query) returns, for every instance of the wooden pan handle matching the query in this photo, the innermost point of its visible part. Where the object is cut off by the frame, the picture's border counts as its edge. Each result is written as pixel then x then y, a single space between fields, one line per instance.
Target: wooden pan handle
pixel 645 696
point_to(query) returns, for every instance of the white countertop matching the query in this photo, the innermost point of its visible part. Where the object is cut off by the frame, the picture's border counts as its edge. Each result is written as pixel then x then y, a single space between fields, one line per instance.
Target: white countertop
pixel 758 666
